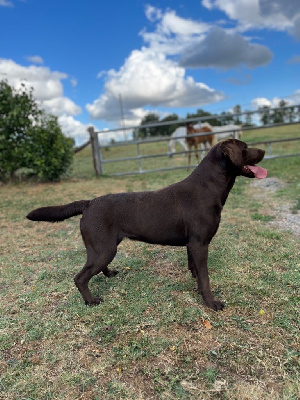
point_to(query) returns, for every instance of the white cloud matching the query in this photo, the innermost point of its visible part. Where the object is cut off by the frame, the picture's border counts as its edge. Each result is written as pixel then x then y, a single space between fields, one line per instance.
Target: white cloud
pixel 73 128
pixel 5 3
pixel 172 33
pixel 61 105
pixel 279 15
pixel 292 99
pixel 170 23
pixel 294 60
pixel 245 11
pixel 173 24
pixel 48 91
pixel 152 13
pixel 101 74
pixel 74 82
pixel 223 50
pixel 290 9
pixel 260 102
pixel 148 78
pixel 46 84
pixel 296 28
pixel 35 59
pixel 199 41
pixel 152 77
pixel 136 115
pixel 208 4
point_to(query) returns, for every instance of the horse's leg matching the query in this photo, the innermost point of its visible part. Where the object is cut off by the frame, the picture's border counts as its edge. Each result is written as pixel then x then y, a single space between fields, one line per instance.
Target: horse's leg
pixel 190 146
pixel 202 152
pixel 196 147
pixel 171 147
pixel 208 143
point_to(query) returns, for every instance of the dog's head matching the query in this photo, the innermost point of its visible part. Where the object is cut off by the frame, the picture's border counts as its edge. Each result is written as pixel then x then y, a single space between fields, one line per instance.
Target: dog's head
pixel 243 158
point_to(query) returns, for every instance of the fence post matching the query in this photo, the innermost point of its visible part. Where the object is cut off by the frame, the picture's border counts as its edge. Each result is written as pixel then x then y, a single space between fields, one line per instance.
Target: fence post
pixel 95 151
pixel 270 149
pixel 139 155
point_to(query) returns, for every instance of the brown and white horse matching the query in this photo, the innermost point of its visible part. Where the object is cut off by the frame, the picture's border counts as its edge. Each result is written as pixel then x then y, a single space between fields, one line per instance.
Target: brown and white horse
pixel 194 141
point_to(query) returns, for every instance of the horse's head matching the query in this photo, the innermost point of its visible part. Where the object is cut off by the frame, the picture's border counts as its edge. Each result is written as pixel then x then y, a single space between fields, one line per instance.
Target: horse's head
pixel 190 128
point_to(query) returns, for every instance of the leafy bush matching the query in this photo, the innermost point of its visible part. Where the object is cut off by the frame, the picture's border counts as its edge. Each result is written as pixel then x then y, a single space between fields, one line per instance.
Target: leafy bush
pixel 30 138
pixel 49 152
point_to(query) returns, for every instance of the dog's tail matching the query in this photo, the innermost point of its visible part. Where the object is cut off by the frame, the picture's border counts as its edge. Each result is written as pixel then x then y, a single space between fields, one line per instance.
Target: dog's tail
pixel 58 213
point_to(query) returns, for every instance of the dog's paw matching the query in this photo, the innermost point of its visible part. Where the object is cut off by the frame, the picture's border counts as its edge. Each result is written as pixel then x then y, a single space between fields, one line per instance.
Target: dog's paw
pixel 95 302
pixel 112 272
pixel 215 304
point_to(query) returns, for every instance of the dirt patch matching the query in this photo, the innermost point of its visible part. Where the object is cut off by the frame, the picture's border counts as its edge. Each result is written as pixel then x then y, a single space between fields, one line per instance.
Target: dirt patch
pixel 283 216
pixel 269 184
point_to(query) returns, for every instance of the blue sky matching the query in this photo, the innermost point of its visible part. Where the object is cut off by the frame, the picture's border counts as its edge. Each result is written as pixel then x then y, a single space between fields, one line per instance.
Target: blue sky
pixel 162 56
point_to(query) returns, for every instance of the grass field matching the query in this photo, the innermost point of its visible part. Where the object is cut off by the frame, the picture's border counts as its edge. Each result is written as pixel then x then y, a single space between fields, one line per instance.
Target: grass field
pixel 82 169
pixel 152 338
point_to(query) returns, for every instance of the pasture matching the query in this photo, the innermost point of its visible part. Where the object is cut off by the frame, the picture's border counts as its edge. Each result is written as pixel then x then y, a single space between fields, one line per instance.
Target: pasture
pixel 152 338
pixel 85 170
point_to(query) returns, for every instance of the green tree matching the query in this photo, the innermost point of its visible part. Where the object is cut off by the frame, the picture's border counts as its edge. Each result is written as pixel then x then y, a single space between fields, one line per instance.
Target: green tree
pixel 291 114
pixel 29 138
pixel 225 118
pixel 169 129
pixel 278 116
pixel 202 114
pixel 248 118
pixel 237 110
pixel 265 115
pixel 150 118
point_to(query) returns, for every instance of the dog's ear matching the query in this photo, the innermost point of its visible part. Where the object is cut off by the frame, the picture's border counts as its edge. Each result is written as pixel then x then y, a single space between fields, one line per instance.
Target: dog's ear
pixel 232 150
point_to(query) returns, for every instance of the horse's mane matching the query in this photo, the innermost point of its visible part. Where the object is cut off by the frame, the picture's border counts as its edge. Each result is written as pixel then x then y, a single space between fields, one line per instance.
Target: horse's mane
pixel 206 125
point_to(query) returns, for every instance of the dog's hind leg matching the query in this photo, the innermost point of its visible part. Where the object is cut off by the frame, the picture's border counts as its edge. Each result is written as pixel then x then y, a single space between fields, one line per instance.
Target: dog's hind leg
pixel 97 261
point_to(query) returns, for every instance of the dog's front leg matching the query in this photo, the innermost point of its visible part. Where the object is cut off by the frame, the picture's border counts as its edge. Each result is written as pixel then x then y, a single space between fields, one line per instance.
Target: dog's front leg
pixel 197 258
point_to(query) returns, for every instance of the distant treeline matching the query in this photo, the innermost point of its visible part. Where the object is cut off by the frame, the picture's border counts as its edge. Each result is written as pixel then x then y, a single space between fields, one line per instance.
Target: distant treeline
pixel 267 116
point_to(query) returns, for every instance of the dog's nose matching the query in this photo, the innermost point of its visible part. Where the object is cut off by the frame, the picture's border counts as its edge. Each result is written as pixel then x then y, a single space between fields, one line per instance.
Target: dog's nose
pixel 260 151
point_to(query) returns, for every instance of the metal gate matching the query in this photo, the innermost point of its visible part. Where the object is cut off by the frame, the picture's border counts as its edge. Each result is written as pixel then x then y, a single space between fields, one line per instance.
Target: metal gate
pixel 99 151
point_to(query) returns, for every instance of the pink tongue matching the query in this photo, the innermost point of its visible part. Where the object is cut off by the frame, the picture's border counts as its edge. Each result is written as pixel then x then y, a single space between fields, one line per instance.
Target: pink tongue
pixel 259 172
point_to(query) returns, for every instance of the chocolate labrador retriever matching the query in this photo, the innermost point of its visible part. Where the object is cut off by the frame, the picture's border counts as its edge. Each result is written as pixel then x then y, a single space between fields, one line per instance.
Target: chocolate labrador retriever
pixel 186 213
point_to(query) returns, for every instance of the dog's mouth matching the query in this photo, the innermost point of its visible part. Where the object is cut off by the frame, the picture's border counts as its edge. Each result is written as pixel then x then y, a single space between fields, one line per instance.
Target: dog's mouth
pixel 255 171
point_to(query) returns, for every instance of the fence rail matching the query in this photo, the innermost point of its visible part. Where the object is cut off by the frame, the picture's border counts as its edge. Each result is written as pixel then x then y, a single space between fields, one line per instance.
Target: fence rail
pixel 199 119
pixel 99 160
pixel 141 171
